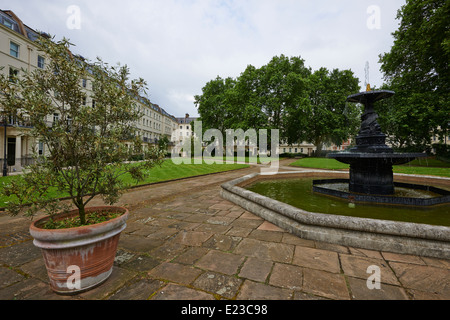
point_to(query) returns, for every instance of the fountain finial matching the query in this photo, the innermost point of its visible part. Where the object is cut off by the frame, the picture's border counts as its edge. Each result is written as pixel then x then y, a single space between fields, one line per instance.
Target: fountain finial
pixel 366 71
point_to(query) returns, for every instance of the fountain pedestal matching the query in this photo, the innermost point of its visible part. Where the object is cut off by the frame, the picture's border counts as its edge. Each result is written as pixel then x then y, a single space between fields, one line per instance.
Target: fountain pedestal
pixel 371 160
pixel 371 173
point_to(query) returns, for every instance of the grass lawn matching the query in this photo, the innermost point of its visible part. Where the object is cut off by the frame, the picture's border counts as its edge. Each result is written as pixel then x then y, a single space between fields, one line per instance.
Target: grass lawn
pixel 171 171
pixel 419 166
pixel 259 160
pixel 320 163
pixel 167 171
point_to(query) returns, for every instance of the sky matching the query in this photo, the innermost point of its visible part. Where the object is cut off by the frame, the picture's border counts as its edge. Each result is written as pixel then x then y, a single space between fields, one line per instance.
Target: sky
pixel 177 46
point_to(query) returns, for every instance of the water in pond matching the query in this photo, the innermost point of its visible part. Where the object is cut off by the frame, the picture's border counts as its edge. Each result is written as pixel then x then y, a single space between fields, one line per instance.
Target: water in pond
pixel 298 193
pixel 399 191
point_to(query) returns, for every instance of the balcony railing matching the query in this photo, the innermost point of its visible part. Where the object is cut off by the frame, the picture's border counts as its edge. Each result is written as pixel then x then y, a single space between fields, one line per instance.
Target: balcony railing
pixel 13 122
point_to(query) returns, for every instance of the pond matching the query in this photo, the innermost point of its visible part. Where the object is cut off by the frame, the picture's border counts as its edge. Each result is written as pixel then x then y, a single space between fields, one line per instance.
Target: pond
pixel 298 193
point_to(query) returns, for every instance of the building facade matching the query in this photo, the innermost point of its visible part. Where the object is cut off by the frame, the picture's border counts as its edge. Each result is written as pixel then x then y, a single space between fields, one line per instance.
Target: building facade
pixel 183 130
pixel 19 53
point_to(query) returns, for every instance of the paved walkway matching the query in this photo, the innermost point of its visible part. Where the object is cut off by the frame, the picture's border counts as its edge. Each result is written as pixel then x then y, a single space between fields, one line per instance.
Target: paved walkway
pixel 183 241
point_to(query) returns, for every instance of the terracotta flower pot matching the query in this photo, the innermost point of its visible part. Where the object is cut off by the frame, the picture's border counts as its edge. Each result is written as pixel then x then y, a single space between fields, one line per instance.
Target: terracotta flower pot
pixel 78 259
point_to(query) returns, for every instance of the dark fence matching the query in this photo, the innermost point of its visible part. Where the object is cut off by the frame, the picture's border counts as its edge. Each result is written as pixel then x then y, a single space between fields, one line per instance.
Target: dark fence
pixel 11 164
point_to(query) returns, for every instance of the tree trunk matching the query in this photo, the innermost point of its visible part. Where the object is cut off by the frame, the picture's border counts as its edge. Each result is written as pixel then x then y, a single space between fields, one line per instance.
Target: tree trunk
pixel 319 145
pixel 81 210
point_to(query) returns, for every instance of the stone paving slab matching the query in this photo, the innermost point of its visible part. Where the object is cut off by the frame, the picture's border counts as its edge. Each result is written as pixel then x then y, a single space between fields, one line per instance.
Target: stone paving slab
pixel 184 242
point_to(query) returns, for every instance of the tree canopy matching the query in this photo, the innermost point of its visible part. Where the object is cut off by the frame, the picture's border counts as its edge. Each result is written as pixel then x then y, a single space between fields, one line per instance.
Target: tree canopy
pixel 284 94
pixel 417 69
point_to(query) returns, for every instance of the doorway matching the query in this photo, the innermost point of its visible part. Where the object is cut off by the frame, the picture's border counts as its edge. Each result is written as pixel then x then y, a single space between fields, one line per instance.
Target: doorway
pixel 11 152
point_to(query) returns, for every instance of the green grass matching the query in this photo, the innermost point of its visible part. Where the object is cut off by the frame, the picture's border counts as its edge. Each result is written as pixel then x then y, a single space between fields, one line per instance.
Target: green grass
pixel 171 171
pixel 320 163
pixel 427 166
pixel 428 162
pixel 259 160
pixel 167 171
pixel 429 171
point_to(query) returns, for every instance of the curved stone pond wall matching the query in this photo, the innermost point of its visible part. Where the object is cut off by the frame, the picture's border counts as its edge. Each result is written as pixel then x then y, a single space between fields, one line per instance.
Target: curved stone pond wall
pixel 380 235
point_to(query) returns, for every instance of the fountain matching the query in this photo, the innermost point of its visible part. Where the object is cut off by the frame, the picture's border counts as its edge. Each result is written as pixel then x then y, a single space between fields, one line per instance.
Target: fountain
pixel 371 160
pixel 371 180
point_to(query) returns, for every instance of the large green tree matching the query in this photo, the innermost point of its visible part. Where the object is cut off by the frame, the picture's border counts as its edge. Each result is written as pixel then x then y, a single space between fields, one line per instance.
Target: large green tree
pixel 326 117
pixel 258 99
pixel 246 103
pixel 282 86
pixel 214 104
pixel 283 94
pixel 417 69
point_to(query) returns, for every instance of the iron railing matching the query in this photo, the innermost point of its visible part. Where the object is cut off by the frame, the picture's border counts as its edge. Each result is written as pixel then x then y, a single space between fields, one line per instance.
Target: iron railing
pixel 13 164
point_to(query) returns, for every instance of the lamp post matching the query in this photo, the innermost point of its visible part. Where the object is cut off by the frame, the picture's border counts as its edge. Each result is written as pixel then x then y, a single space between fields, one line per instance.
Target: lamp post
pixel 5 165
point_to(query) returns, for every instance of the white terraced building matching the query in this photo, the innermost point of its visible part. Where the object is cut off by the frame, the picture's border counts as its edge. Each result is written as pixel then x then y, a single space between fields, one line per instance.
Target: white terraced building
pixel 19 53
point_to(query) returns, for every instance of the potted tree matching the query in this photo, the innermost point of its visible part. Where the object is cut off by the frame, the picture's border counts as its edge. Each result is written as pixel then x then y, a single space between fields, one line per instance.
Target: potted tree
pixel 84 115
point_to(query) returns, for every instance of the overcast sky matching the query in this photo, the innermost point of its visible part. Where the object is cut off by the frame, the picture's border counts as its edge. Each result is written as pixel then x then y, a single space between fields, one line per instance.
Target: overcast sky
pixel 177 46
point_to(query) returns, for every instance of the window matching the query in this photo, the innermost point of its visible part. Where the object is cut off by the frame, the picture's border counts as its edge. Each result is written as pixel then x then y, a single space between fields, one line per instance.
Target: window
pixel 12 120
pixel 41 62
pixel 8 23
pixel 93 103
pixel 84 101
pixel 14 49
pixel 41 148
pixel 13 74
pixel 84 83
pixel 55 117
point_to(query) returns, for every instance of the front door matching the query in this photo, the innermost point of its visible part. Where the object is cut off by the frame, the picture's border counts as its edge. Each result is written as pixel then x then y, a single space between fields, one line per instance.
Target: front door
pixel 11 152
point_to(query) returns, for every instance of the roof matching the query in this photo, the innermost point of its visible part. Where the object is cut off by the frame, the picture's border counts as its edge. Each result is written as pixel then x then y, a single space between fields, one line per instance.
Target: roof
pixel 186 120
pixel 11 21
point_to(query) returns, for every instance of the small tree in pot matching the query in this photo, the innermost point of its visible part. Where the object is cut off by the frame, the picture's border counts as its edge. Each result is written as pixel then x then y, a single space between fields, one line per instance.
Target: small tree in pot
pixel 86 132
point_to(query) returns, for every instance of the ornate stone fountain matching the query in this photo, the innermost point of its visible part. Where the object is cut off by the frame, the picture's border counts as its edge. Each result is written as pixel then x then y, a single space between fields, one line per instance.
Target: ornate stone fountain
pixel 371 160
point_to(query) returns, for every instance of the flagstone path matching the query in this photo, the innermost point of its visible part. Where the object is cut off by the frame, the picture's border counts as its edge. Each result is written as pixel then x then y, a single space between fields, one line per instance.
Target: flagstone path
pixel 184 242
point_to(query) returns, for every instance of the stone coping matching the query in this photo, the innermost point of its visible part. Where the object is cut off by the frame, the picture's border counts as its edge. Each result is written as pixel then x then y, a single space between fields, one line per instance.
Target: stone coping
pixel 398 237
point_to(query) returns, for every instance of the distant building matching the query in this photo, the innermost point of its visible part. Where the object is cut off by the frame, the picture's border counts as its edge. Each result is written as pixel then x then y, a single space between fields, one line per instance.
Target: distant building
pixel 183 129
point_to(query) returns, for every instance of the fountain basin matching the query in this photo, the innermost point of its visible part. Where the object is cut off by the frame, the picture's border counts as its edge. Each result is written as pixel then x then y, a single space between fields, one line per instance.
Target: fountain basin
pixel 325 187
pixel 381 235
pixel 371 172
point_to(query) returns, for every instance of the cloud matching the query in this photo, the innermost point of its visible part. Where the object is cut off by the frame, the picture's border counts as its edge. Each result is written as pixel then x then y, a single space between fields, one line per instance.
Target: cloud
pixel 177 46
